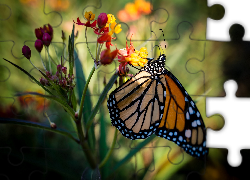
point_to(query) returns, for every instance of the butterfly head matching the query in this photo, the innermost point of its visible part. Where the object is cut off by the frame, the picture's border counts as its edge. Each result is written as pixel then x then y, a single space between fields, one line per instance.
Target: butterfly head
pixel 156 67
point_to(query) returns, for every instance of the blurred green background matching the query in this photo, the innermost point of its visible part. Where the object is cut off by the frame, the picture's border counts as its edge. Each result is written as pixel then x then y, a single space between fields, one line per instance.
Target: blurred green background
pixel 201 66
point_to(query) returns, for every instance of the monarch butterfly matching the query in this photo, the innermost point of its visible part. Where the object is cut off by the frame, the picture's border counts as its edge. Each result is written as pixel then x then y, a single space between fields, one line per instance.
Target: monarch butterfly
pixel 155 102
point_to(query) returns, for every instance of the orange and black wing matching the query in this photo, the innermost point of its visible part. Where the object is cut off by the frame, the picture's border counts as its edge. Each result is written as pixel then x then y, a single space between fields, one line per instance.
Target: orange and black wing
pixel 135 107
pixel 181 121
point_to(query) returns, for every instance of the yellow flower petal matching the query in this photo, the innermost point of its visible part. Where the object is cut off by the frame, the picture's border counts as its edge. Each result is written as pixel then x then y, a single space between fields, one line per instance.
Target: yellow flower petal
pixel 111 18
pixel 89 16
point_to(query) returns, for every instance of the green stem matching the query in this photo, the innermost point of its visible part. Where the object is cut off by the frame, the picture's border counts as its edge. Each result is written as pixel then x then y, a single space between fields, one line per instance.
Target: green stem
pixel 85 147
pixel 47 48
pixel 88 45
pixel 85 91
pixel 39 126
pixel 42 62
pixel 110 150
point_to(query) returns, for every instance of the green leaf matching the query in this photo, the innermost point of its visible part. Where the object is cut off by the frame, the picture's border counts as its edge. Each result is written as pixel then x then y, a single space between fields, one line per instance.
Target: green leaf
pixel 37 125
pixel 57 99
pixel 132 153
pixel 103 148
pixel 73 99
pixel 87 106
pixel 101 99
pixel 71 49
pixel 37 82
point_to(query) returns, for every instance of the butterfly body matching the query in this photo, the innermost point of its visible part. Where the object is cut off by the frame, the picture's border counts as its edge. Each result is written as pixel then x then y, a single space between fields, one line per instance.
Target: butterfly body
pixel 155 102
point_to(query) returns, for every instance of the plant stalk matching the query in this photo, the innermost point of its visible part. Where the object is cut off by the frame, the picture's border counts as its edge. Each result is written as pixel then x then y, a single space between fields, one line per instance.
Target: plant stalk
pixel 85 147
pixel 110 150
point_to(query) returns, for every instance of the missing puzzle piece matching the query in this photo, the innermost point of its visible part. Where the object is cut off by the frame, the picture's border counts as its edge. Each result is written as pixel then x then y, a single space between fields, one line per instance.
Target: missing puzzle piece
pixel 236 129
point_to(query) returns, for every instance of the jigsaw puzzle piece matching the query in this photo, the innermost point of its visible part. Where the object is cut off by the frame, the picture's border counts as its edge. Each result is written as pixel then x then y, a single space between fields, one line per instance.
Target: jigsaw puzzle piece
pixel 233 131
pixel 223 61
pixel 235 13
pixel 18 21
pixel 171 164
pixel 191 11
pixel 179 52
pixel 217 167
pixel 18 149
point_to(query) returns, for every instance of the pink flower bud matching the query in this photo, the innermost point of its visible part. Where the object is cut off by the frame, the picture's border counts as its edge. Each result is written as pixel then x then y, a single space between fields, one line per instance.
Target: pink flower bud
pixel 53 125
pixel 39 45
pixel 57 74
pixel 48 74
pixel 60 82
pixel 64 70
pixel 59 68
pixel 46 39
pixel 44 82
pixel 102 20
pixel 54 78
pixel 76 115
pixel 26 51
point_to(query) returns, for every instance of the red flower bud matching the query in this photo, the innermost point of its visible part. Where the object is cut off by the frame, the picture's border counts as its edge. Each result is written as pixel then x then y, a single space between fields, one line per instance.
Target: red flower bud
pixel 26 51
pixel 46 39
pixel 107 57
pixel 39 45
pixel 102 20
pixel 48 29
pixel 39 33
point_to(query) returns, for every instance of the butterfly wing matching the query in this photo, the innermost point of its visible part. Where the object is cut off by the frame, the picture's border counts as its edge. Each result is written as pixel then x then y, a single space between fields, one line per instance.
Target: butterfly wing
pixel 181 121
pixel 135 107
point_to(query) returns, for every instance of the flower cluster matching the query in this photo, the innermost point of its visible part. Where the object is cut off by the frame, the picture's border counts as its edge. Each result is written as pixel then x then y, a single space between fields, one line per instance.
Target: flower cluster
pixel 61 78
pixel 130 55
pixel 133 11
pixel 104 27
pixel 44 37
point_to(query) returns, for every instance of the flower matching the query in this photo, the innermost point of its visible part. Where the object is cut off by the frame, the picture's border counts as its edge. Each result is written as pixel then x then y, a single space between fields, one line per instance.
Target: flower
pixel 90 17
pixel 59 68
pixel 39 33
pixel 39 45
pixel 102 20
pixel 134 11
pixel 107 35
pixel 107 56
pixel 46 39
pixel 64 70
pixel 111 19
pixel 115 28
pixel 48 29
pixel 26 51
pixel 130 55
pixel 88 24
pixel 44 82
pixel 59 5
pixel 37 102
